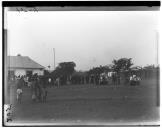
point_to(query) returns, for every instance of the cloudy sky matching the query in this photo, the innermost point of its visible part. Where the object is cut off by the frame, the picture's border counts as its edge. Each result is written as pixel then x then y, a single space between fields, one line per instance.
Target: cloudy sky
pixel 89 38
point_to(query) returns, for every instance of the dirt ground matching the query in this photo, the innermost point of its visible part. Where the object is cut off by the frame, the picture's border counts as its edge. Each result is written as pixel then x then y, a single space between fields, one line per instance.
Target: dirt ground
pixel 89 105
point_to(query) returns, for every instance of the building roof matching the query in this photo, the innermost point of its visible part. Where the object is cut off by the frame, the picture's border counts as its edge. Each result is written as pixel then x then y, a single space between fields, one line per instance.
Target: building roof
pixel 22 62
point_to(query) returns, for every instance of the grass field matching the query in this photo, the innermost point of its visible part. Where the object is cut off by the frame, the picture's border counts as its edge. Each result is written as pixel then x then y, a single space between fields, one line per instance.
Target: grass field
pixel 90 105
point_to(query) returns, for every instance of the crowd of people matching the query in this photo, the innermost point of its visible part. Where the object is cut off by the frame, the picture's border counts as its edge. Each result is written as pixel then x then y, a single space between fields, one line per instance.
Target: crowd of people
pixel 39 84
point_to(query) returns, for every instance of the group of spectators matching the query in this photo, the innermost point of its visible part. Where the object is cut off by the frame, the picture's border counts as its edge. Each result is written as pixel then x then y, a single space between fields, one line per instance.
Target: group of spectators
pixel 37 85
pixel 26 80
pixel 135 80
pixel 101 79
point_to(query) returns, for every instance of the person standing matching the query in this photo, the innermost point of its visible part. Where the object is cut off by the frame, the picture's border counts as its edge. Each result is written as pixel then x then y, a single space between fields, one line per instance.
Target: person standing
pixel 19 89
pixel 33 88
pixel 49 81
pixel 58 81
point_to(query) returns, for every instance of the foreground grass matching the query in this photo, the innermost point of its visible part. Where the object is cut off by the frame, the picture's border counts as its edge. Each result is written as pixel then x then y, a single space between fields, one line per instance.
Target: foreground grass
pixel 89 104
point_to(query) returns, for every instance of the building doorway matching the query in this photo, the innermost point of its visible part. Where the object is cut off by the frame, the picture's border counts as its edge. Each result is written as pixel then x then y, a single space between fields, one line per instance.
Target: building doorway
pixel 29 73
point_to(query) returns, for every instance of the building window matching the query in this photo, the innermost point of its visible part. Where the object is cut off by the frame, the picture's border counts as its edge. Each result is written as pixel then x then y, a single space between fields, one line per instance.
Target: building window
pixel 29 73
pixel 11 75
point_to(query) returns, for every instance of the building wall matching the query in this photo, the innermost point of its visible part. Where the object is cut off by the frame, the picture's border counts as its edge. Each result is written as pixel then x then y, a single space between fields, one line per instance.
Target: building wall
pixel 20 72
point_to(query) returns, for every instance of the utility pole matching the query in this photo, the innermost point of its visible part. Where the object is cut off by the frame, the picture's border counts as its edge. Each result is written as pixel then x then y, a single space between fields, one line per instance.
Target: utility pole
pixel 157 46
pixel 157 74
pixel 54 57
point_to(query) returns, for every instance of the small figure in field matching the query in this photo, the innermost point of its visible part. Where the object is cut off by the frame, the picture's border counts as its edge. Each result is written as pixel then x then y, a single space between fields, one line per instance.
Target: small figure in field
pixel 49 82
pixel 19 91
pixel 42 89
pixel 114 78
pixel 34 87
pixel 43 94
pixel 58 81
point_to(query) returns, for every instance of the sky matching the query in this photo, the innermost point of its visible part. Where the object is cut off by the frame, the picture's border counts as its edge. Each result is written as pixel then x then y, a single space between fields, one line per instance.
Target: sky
pixel 88 38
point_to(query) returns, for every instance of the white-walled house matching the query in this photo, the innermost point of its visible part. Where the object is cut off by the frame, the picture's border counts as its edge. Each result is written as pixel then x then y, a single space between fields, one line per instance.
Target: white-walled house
pixel 23 65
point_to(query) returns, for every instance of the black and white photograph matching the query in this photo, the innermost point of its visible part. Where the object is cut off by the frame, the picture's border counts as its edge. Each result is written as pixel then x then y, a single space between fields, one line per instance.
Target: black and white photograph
pixel 81 65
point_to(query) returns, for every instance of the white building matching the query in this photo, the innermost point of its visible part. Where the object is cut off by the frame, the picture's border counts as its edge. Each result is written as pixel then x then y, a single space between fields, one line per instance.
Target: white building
pixel 23 65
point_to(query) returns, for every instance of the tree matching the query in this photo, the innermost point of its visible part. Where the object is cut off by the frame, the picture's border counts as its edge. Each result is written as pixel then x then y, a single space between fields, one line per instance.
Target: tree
pixel 67 68
pixel 122 64
pixel 99 70
pixel 64 70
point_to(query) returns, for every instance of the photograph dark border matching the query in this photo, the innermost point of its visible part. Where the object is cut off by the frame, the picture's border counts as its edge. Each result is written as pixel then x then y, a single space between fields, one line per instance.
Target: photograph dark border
pixel 70 6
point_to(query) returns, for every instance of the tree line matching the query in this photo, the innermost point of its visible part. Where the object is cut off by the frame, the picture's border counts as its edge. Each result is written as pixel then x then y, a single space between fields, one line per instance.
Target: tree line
pixel 66 70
